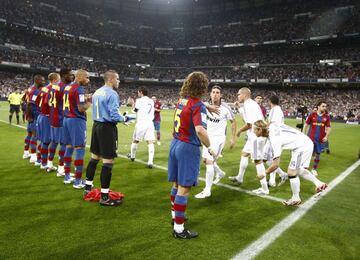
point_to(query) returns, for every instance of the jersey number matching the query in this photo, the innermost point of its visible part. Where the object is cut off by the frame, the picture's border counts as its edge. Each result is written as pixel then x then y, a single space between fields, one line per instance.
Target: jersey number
pixel 52 99
pixel 177 120
pixel 66 101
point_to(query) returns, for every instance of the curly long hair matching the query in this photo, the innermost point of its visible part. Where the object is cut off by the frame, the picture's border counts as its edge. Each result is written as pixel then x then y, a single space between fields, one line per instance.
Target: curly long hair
pixel 195 85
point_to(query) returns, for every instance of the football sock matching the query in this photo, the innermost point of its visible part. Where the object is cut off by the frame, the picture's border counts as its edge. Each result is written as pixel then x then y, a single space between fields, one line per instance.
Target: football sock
pixel 280 171
pixel 33 144
pixel 272 177
pixel 180 204
pixel 217 169
pixel 62 154
pixel 133 150
pixel 158 135
pixel 151 151
pixel 105 178
pixel 209 177
pixel 23 117
pixel 173 193
pixel 316 161
pixel 10 118
pixel 17 119
pixel 79 161
pixel 310 177
pixel 260 170
pixel 67 160
pixel 38 153
pixel 91 169
pixel 44 153
pixel 52 150
pixel 27 141
pixel 295 187
pixel 242 168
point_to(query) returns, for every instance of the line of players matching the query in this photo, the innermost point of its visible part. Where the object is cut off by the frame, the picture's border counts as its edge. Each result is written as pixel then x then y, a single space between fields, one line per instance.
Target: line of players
pixel 264 143
pixel 56 115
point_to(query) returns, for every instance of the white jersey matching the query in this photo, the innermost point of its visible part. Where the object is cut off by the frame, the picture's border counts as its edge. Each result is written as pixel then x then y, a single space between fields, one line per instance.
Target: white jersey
pixel 252 112
pixel 216 124
pixel 144 108
pixel 287 138
pixel 276 115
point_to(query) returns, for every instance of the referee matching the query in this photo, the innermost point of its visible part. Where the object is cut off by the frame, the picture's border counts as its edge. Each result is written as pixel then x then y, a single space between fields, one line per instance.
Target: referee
pixel 15 102
pixel 104 135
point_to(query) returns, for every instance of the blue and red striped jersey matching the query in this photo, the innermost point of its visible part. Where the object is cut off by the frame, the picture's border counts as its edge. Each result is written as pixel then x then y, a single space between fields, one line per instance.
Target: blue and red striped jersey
pixel 74 95
pixel 317 124
pixel 190 112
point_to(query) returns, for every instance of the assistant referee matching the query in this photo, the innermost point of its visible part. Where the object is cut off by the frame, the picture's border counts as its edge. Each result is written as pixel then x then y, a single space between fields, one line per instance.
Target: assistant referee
pixel 15 102
pixel 104 135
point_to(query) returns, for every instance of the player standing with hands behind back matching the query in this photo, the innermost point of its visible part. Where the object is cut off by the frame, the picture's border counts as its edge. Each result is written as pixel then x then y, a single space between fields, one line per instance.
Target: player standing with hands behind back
pixel 184 155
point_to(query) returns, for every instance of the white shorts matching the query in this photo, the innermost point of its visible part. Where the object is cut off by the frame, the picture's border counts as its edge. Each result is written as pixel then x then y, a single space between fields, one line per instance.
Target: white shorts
pixel 217 144
pixel 301 157
pixel 254 146
pixel 144 132
pixel 268 153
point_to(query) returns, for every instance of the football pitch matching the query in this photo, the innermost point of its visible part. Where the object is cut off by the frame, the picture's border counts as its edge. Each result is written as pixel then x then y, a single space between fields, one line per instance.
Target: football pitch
pixel 40 217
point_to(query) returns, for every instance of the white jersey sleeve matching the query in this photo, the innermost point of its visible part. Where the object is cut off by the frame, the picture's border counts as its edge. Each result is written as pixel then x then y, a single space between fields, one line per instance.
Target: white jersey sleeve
pixel 252 112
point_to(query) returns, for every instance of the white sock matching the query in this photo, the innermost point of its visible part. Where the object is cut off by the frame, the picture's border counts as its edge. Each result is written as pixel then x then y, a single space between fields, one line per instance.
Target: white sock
pixel 295 187
pixel 217 168
pixel 88 182
pixel 178 228
pixel 244 161
pixel 260 170
pixel 272 177
pixel 280 172
pixel 209 177
pixel 307 175
pixel 151 151
pixel 133 150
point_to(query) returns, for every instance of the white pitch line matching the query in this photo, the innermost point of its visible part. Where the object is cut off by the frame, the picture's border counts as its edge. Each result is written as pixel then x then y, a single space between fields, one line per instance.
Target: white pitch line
pixel 255 248
pixel 200 178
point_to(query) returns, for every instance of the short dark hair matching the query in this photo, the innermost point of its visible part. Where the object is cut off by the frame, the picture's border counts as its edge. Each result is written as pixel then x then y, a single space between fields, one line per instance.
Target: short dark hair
pixel 216 87
pixel 274 100
pixel 258 96
pixel 64 71
pixel 143 90
pixel 38 77
pixel 320 102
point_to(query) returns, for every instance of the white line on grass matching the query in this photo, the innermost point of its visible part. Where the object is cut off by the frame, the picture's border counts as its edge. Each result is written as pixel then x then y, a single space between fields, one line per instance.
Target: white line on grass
pixel 255 248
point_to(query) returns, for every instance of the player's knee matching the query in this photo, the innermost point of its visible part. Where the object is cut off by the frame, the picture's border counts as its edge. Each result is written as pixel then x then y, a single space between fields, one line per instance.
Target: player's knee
pixel 258 161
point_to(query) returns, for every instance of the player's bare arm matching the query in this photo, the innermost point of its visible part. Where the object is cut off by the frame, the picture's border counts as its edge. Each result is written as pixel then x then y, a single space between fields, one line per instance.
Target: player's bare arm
pixel 275 164
pixel 244 128
pixel 233 133
pixel 327 133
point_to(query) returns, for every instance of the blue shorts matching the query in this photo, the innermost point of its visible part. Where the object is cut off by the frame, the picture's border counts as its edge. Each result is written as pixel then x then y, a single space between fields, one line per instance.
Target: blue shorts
pixel 43 129
pixel 157 125
pixel 74 131
pixel 29 128
pixel 318 147
pixel 184 163
pixel 57 135
pixel 32 126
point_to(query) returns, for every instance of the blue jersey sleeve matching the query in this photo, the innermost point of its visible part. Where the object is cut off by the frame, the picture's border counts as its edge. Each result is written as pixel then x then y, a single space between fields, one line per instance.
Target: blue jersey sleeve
pixel 113 108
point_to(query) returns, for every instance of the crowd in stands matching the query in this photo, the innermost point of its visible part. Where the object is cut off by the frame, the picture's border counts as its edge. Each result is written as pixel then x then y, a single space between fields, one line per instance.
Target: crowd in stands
pixel 72 17
pixel 340 101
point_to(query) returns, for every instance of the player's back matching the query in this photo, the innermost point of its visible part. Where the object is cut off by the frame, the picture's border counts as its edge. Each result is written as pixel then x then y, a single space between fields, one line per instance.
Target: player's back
pixel 276 115
pixel 252 111
pixel 73 96
pixel 289 137
pixel 190 112
pixel 44 100
pixel 145 110
pixel 56 104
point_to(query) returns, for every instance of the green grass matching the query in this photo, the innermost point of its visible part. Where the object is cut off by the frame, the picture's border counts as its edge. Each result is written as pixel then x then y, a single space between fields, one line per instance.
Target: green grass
pixel 42 218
